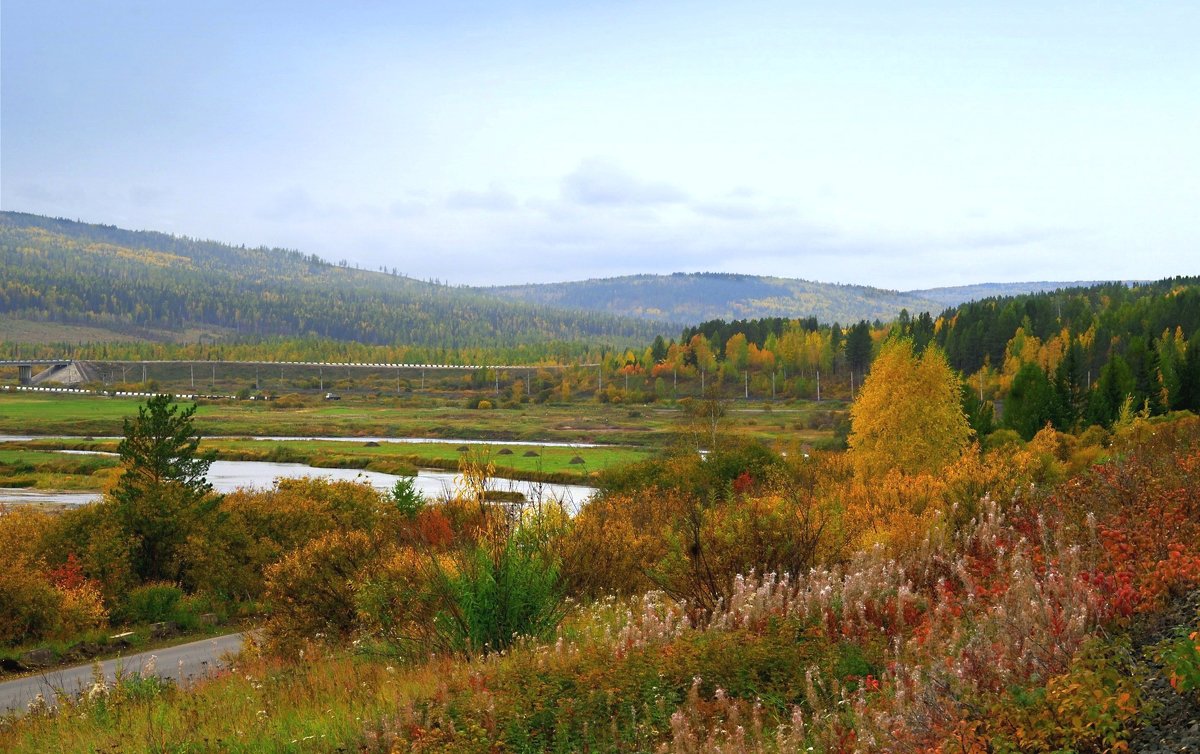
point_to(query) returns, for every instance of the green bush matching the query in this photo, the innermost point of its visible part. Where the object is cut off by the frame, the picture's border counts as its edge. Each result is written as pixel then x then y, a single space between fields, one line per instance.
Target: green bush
pixel 1180 657
pixel 1001 438
pixel 408 499
pixel 498 596
pixel 151 603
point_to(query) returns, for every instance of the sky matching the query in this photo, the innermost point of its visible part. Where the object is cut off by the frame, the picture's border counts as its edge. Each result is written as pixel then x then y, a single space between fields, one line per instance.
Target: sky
pixel 901 145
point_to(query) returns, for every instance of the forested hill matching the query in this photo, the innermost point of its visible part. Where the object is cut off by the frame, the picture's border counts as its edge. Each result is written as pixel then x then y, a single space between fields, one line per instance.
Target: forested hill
pixel 961 294
pixel 698 297
pixel 122 281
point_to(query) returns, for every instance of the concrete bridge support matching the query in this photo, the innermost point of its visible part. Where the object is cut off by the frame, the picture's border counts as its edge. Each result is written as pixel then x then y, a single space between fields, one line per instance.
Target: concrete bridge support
pixel 24 374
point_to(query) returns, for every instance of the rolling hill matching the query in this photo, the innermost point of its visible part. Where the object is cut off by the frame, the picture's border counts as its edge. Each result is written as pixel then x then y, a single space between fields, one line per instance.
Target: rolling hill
pixel 71 278
pixel 696 297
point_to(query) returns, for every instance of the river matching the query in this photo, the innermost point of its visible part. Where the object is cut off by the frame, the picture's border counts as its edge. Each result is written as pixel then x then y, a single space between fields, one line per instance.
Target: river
pixel 227 476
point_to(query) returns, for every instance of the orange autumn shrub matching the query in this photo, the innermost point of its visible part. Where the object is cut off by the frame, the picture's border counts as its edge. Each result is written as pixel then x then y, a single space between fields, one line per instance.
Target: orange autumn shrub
pixel 311 591
pixel 616 539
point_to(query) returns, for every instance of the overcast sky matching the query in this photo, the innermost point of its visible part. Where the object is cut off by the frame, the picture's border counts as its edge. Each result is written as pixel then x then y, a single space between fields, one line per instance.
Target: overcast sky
pixel 897 144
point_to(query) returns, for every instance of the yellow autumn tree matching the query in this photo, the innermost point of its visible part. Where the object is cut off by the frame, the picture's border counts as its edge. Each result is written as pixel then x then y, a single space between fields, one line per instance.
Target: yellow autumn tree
pixel 908 415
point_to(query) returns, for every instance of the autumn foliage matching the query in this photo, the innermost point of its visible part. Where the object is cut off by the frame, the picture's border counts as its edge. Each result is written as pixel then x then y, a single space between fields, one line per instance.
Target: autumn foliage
pixel 908 415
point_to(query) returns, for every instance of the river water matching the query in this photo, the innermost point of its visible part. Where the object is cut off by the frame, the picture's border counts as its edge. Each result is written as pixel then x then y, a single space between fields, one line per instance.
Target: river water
pixel 227 476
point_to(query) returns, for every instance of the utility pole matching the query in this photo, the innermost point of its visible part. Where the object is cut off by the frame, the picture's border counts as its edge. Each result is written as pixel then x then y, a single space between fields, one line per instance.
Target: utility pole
pixel 213 385
pixel 772 386
pixel 851 384
pixel 746 376
pixel 702 382
pixel 321 377
pixel 818 386
pixel 143 374
pixel 192 369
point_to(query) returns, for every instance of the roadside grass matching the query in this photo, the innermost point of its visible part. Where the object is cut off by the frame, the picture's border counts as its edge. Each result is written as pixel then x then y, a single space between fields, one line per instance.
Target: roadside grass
pixel 259 705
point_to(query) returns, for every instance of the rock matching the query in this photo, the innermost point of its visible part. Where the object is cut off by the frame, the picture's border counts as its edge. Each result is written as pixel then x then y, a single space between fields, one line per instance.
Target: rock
pixel 161 630
pixel 120 641
pixel 38 658
pixel 505 452
pixel 531 454
pixel 371 444
pixel 576 461
pixel 9 665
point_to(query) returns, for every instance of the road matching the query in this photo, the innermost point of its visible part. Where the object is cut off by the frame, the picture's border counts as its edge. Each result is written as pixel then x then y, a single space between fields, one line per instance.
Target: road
pixel 179 663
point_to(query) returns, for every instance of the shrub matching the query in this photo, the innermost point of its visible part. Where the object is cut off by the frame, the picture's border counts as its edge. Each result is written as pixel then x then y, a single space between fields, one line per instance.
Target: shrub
pixel 151 603
pixel 291 400
pixel 1001 438
pixel 312 591
pixel 29 605
pixel 1180 657
pixel 498 595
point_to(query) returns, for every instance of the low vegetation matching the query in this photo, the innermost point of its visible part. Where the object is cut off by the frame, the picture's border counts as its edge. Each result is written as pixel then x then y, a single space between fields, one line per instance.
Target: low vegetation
pixel 1003 596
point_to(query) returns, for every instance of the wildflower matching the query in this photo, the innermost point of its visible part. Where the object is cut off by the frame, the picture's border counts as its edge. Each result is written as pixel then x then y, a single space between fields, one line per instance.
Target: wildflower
pixel 97 690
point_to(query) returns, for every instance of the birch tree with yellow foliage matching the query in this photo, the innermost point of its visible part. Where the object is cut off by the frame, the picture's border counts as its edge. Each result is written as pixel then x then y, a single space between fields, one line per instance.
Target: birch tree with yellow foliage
pixel 908 415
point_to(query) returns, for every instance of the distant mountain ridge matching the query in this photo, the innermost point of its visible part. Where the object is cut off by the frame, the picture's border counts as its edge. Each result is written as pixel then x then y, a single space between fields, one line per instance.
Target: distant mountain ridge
pixel 703 296
pixel 951 296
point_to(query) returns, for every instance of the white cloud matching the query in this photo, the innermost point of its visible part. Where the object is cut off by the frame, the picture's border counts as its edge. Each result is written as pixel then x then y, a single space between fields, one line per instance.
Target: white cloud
pixel 604 183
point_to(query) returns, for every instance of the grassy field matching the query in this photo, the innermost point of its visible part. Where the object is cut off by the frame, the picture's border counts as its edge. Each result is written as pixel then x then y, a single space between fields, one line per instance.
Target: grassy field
pixel 644 426
pixel 47 470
